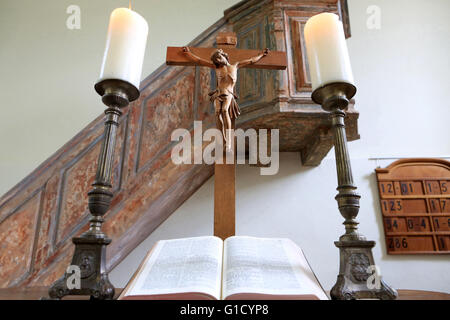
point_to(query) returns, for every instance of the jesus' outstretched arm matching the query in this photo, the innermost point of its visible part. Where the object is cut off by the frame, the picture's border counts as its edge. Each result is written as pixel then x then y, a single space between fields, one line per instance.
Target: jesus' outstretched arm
pixel 197 59
pixel 253 59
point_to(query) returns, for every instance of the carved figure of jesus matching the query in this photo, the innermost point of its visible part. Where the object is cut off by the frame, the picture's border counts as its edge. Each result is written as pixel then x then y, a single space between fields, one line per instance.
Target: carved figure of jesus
pixel 224 98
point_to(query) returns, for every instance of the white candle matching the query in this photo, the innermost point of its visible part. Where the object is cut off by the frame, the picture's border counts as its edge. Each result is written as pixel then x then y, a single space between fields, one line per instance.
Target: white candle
pixel 327 50
pixel 125 47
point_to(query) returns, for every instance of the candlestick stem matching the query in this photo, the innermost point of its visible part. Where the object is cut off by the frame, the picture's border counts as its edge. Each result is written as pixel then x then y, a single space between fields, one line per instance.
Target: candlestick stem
pixel 347 198
pixel 100 196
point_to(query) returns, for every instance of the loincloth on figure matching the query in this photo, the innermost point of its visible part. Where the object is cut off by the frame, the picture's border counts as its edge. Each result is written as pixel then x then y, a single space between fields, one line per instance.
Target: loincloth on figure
pixel 234 107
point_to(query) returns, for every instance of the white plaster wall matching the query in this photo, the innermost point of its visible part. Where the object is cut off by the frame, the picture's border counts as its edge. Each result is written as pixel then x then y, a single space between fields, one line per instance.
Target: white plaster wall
pixel 402 75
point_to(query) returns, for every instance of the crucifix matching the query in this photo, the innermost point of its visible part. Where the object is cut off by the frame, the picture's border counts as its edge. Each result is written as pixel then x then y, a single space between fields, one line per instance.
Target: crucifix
pixel 225 60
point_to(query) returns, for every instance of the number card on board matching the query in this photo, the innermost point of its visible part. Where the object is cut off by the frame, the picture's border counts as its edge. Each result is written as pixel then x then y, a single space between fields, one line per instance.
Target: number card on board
pixel 415 206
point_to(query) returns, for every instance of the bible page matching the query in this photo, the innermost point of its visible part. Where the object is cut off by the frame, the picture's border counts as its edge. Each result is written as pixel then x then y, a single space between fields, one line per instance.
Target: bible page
pixel 182 265
pixel 267 266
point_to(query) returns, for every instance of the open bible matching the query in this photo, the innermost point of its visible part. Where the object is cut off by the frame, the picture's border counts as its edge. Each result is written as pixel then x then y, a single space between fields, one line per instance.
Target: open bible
pixel 238 268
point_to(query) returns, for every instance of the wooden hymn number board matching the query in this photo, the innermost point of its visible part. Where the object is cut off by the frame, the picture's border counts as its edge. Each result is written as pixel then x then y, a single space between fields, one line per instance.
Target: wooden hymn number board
pixel 415 205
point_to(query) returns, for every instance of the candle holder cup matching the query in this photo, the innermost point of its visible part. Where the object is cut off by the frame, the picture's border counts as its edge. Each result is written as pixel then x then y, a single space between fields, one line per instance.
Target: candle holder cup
pixel 357 277
pixel 89 258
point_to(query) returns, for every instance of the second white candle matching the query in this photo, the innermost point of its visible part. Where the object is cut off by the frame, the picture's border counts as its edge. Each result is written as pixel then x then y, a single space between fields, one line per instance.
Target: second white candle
pixel 327 50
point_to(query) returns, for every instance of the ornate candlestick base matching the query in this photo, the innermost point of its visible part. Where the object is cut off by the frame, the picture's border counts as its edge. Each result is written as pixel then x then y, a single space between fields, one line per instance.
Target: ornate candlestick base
pixel 90 258
pixel 357 277
pixel 87 273
pixel 355 272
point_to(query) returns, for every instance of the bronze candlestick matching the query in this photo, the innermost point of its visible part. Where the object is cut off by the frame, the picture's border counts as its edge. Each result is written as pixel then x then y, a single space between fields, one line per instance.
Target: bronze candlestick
pixel 355 250
pixel 90 247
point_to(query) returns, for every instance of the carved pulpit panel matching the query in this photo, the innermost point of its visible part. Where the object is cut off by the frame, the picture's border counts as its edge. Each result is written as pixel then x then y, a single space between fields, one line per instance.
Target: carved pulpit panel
pixel 249 86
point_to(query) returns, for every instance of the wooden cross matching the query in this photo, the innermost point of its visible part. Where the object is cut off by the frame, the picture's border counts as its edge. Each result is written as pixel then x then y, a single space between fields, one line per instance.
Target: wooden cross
pixel 225 174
